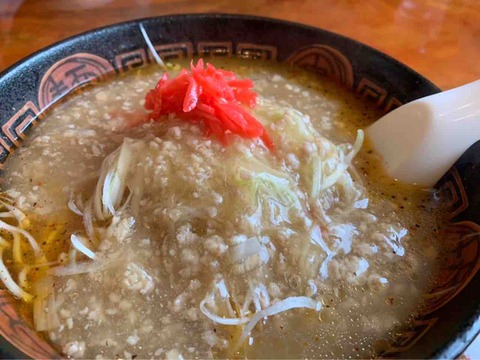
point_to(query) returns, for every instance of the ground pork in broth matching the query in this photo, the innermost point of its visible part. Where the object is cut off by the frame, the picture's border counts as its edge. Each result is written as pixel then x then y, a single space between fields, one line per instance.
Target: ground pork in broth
pixel 207 236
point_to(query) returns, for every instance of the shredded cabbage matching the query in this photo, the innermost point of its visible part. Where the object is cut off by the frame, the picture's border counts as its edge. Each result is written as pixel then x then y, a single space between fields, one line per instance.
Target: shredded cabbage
pixel 328 165
pixel 294 302
pixel 17 248
pixel 221 288
pixel 296 124
pixel 73 207
pixel 88 219
pixel 320 181
pixel 17 233
pixel 299 126
pixel 263 308
pixel 269 193
pixel 114 181
pixel 13 229
pixel 10 284
pixel 41 311
pixel 82 268
pixel 78 243
pixel 278 187
pixel 22 275
pixel 12 210
pixel 114 185
pixel 220 319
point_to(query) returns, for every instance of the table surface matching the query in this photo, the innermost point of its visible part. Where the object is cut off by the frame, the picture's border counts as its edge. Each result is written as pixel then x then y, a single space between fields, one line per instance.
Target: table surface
pixel 438 38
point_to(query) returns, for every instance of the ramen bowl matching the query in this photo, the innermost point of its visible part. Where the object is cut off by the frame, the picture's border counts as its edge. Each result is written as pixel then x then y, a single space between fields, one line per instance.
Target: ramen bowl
pixel 450 319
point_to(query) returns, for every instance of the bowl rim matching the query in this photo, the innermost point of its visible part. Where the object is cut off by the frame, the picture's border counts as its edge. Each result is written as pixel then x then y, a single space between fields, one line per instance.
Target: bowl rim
pixel 65 41
pixel 450 349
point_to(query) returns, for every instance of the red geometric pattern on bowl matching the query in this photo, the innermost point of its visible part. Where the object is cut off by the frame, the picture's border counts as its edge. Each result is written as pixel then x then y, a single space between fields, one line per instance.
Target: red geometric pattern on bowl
pixel 173 51
pixel 141 57
pixel 18 125
pixel 369 90
pixel 256 51
pixel 453 188
pixel 131 60
pixel 215 48
pixel 459 265
pixel 14 130
pixel 326 61
pixel 69 74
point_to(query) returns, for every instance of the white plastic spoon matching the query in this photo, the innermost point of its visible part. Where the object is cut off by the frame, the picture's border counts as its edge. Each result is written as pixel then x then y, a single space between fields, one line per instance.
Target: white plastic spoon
pixel 421 140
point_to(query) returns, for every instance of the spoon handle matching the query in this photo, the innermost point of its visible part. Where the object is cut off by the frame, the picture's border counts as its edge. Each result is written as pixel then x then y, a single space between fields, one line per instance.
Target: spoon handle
pixel 421 140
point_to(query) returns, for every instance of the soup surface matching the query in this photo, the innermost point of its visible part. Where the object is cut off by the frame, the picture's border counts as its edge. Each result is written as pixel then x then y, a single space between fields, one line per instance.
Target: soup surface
pixel 162 242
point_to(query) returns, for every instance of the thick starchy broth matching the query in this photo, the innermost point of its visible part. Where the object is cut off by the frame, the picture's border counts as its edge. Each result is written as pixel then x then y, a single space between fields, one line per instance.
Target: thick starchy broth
pixel 329 258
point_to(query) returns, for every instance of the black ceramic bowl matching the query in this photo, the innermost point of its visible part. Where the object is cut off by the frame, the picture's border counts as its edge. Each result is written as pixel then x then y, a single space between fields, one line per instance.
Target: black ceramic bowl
pixel 30 87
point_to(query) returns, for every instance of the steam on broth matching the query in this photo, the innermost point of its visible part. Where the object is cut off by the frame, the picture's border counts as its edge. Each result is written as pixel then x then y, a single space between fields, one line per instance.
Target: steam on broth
pixel 158 241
